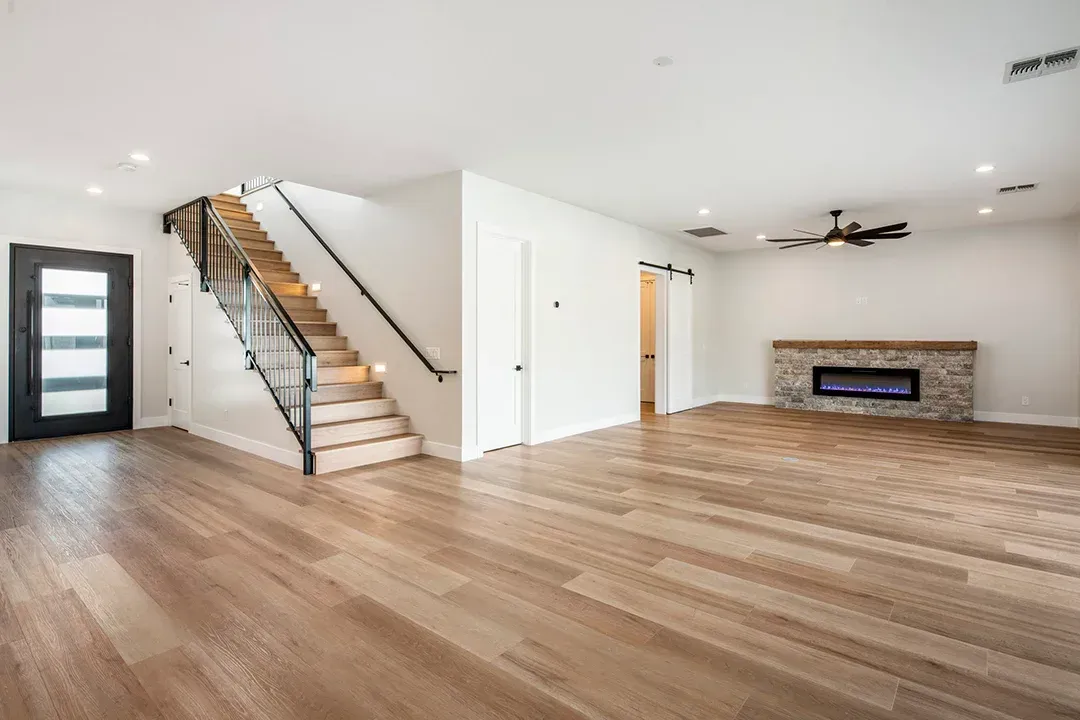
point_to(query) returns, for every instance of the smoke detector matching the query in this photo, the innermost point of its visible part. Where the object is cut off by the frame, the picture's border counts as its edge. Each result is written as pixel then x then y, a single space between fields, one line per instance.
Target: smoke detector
pixel 704 232
pixel 1040 65
pixel 127 167
pixel 1012 189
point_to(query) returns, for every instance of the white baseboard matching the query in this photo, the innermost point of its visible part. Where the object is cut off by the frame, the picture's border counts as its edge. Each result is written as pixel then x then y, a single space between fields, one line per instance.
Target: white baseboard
pixel 471 453
pixel 579 428
pixel 441 450
pixel 291 457
pixel 1026 419
pixel 152 422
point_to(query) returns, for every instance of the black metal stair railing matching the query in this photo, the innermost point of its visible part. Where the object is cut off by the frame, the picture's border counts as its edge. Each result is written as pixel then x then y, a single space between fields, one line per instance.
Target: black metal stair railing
pixel 273 345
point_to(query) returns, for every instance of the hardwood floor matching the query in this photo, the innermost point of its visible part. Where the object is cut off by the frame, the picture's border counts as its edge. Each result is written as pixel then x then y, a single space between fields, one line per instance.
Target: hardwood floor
pixel 727 562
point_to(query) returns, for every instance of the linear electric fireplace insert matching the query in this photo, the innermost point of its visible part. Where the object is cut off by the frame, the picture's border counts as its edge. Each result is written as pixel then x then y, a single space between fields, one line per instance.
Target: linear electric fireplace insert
pixel 885 383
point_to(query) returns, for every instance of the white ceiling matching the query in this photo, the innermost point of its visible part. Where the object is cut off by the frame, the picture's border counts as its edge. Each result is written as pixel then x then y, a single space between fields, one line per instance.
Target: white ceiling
pixel 774 112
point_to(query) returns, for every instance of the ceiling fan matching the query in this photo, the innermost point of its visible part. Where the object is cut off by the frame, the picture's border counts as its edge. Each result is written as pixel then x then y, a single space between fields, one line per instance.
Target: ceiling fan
pixel 851 234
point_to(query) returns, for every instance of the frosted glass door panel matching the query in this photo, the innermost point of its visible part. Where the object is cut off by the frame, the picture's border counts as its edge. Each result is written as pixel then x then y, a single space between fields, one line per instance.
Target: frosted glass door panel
pixel 74 342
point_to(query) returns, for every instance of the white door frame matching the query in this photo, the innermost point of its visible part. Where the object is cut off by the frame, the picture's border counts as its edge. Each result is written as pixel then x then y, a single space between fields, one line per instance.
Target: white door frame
pixel 177 279
pixel 660 392
pixel 529 358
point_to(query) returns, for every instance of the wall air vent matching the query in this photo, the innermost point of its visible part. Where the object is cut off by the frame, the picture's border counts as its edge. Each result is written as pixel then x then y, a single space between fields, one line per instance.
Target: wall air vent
pixel 704 232
pixel 1048 64
pixel 1011 189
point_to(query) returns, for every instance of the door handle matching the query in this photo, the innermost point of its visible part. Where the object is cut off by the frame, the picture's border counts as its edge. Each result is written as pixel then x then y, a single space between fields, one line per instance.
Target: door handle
pixel 186 362
pixel 517 368
pixel 30 343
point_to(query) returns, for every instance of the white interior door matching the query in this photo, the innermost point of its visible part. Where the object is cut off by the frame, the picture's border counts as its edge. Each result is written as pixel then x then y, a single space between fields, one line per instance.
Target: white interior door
pixel 648 339
pixel 500 315
pixel 180 352
pixel 680 344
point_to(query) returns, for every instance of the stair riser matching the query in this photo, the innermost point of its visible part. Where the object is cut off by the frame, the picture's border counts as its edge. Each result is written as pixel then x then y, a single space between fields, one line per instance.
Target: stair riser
pixel 307 315
pixel 327 342
pixel 349 374
pixel 266 266
pixel 298 302
pixel 242 224
pixel 354 432
pixel 249 244
pixel 289 289
pixel 333 460
pixel 352 411
pixel 282 277
pixel 274 255
pixel 244 234
pixel 327 358
pixel 317 329
pixel 232 213
pixel 342 393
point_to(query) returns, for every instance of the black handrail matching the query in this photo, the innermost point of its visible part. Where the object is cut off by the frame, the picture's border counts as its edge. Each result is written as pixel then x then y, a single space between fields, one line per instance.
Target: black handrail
pixel 363 291
pixel 289 391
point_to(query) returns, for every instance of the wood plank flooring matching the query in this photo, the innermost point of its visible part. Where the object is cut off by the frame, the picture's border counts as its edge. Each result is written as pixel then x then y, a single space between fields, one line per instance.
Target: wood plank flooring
pixel 727 562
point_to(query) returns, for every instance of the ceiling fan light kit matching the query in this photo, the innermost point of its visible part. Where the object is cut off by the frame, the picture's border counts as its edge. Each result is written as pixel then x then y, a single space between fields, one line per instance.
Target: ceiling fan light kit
pixel 850 234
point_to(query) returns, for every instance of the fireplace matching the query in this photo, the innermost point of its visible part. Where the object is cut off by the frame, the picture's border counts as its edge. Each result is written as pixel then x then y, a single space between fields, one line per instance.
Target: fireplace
pixel 860 382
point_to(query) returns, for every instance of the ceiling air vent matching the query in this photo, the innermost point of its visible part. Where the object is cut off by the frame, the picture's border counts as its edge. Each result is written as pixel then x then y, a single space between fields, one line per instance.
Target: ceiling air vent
pixel 704 232
pixel 1010 189
pixel 1048 64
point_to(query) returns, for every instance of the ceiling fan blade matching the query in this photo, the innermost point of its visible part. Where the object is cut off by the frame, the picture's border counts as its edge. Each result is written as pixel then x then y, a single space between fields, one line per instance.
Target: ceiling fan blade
pixel 850 228
pixel 809 242
pixel 789 240
pixel 859 243
pixel 807 232
pixel 881 236
pixel 879 230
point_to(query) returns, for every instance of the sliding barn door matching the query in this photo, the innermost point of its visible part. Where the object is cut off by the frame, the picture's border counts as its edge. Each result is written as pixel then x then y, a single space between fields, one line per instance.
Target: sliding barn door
pixel 680 345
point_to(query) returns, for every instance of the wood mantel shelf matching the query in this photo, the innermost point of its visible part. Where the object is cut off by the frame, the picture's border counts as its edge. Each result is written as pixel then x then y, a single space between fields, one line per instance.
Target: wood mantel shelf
pixel 877 344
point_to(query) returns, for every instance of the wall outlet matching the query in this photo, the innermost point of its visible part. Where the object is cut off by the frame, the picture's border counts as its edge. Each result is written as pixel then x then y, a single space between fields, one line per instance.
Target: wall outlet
pixel 433 353
pixel 862 300
pixel 1025 400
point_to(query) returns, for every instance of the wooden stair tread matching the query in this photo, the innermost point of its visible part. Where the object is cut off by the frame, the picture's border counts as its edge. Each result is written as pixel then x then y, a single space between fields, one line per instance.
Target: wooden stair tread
pixel 372 441
pixel 359 421
pixel 354 402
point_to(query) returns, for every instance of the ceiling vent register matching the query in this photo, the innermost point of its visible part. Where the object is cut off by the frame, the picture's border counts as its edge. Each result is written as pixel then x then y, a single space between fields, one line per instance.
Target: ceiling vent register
pixel 704 232
pixel 1011 189
pixel 1048 64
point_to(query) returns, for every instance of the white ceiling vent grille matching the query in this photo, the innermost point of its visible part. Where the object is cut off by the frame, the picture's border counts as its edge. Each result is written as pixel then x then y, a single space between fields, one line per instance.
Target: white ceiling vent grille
pixel 1011 189
pixel 704 232
pixel 1048 64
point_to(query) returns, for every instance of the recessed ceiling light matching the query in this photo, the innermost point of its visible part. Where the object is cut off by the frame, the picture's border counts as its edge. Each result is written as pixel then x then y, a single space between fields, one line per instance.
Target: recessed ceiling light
pixel 984 169
pixel 663 61
pixel 94 190
pixel 985 211
pixel 703 211
pixel 139 157
pixel 127 167
pixel 762 237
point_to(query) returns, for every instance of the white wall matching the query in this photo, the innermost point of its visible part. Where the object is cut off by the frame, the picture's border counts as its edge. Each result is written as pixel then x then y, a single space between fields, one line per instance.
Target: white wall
pixel 404 245
pixel 585 372
pixel 1010 287
pixel 88 224
pixel 229 404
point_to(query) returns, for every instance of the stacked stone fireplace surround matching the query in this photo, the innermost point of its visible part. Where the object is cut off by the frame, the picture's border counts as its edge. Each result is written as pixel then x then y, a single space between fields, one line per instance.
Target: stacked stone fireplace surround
pixel 946 369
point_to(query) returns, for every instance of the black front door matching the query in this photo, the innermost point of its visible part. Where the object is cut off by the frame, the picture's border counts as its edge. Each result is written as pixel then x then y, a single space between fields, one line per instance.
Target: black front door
pixel 71 342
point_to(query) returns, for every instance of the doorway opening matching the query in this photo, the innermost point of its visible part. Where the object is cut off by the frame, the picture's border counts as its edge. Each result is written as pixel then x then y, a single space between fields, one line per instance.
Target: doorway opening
pixel 648 343
pixel 666 342
pixel 72 354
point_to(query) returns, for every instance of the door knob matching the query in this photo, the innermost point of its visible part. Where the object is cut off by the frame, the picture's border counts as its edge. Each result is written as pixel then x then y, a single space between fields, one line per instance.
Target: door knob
pixel 517 367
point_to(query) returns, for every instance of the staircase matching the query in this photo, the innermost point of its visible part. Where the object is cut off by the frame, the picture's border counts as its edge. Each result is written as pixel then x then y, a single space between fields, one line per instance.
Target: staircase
pixel 352 424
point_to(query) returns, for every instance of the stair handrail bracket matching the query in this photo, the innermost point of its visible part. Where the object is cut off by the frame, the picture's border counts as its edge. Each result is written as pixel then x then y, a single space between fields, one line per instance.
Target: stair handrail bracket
pixel 273 344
